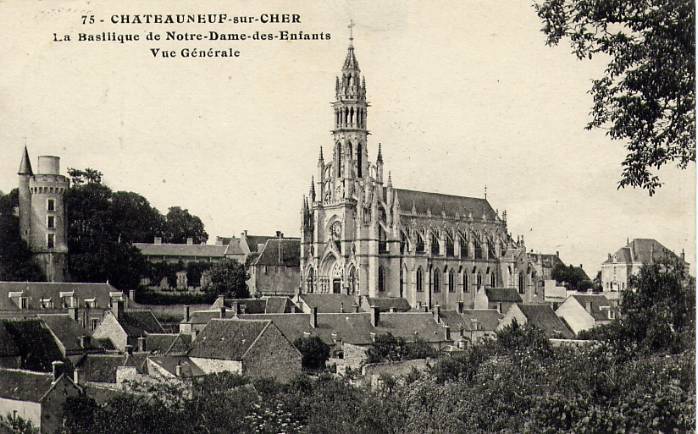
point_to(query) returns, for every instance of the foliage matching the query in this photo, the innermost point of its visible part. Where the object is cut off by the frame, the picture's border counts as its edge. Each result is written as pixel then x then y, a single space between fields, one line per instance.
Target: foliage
pixel 16 424
pixel 574 277
pixel 16 263
pixel 36 345
pixel 229 277
pixel 387 347
pixel 181 225
pixel 646 96
pixel 315 352
pixel 144 296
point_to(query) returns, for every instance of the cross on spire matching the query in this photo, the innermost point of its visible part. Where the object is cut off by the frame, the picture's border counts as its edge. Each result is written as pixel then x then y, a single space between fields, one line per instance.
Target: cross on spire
pixel 351 31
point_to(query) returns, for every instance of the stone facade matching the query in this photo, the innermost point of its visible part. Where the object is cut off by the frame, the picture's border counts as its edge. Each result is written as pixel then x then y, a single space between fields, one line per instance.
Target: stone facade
pixel 362 236
pixel 272 355
pixel 42 214
pixel 110 329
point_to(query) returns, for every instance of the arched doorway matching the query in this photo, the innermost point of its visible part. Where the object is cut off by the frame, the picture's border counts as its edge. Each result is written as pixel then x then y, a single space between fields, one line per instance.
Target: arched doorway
pixel 336 278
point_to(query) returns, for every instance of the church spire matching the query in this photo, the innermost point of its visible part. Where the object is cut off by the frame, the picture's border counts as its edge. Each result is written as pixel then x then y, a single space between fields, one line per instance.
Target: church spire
pixel 380 154
pixel 25 166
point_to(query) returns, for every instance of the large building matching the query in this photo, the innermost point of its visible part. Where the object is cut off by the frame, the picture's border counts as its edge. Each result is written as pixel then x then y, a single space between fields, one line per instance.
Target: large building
pixel 360 235
pixel 42 214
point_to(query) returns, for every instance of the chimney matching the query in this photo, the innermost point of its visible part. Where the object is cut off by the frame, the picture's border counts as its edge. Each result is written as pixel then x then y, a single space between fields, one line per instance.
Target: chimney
pixel 375 315
pixel 56 369
pixel 373 336
pixel 341 307
pixel 236 308
pixel 587 306
pixel 557 253
pixel 178 370
pixel 73 313
pixel 581 266
pixel 313 317
pixel 279 234
pixel 293 308
pixel 76 376
pixel 392 309
pixel 132 295
pixel 141 344
pixel 186 313
pixel 683 255
pixel 117 308
pixel 84 341
pixel 447 333
pixel 129 349
pixel 437 313
pixel 222 312
pixel 306 334
pixel 461 304
pixel 157 240
pixel 190 241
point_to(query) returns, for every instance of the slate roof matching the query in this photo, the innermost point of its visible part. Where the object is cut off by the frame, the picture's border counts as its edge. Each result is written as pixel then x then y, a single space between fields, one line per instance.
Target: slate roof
pixel 284 251
pixel 503 295
pixel 22 385
pixel 139 322
pixel 165 343
pixel 543 317
pixel 25 166
pixel 36 291
pixel 386 303
pixel 487 319
pixel 8 348
pixel 203 316
pixel 67 331
pixel 37 346
pixel 409 325
pixel 170 363
pixel 352 328
pixel 641 250
pixel 256 242
pixel 329 303
pixel 278 305
pixel 596 302
pixel 100 368
pixel 183 250
pixel 252 305
pixel 437 202
pixel 227 339
pixel 232 247
pixel 291 325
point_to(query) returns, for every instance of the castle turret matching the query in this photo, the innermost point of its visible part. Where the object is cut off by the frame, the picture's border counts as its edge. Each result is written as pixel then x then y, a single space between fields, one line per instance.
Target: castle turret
pixel 25 173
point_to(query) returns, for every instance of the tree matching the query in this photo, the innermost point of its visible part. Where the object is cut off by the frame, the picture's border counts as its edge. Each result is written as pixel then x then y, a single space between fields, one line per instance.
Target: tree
pixel 574 277
pixel 16 259
pixel 229 277
pixel 180 225
pixel 135 220
pixel 315 352
pixel 647 94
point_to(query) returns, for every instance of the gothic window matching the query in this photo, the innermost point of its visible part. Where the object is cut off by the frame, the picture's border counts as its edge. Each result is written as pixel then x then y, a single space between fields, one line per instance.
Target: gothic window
pixel 359 157
pixel 339 160
pixel 478 249
pixel 336 234
pixel 381 279
pixel 493 280
pixel 449 246
pixel 381 214
pixel 352 281
pixel 420 280
pixel 403 242
pixel 436 281
pixel 451 281
pixel 434 245
pixel 463 247
pixel 419 248
pixel 502 249
pixel 403 276
pixel 465 281
pixel 479 280
pixel 491 250
pixel 522 283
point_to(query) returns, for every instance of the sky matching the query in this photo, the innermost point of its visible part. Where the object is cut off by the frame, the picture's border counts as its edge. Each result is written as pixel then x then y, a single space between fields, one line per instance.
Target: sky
pixel 464 94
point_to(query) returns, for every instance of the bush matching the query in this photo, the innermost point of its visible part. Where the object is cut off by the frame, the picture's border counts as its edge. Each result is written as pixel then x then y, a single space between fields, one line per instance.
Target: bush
pixel 315 352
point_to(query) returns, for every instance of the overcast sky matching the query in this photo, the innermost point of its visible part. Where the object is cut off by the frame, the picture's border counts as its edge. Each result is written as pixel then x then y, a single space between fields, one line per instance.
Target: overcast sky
pixel 463 95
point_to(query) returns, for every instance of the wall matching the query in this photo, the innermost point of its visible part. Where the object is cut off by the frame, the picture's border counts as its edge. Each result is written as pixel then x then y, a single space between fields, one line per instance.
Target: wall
pixel 354 356
pixel 272 355
pixel 26 410
pixel 53 402
pixel 210 366
pixel 513 313
pixel 278 280
pixel 110 328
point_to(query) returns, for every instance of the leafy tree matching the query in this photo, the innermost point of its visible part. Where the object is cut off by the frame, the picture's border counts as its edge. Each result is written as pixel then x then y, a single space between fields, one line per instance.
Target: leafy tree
pixel 180 225
pixel 574 277
pixel 315 352
pixel 16 260
pixel 387 347
pixel 88 175
pixel 646 96
pixel 229 277
pixel 17 424
pixel 135 220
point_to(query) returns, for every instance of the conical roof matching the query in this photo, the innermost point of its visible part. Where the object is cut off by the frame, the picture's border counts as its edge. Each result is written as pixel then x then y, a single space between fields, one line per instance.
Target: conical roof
pixel 350 63
pixel 25 166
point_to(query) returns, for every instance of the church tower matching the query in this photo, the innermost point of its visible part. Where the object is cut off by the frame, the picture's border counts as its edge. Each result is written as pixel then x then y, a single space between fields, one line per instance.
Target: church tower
pixel 42 214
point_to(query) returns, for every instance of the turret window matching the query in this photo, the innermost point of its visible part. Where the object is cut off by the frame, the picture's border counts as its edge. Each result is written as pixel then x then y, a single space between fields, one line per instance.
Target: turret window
pixel 50 241
pixel 51 222
pixel 51 205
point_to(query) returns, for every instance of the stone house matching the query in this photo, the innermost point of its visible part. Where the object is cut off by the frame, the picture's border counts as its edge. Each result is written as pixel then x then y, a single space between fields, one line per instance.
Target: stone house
pixel 37 397
pixel 541 316
pixel 583 312
pixel 276 270
pixel 470 326
pixel 72 339
pixel 499 299
pixel 124 327
pixel 254 348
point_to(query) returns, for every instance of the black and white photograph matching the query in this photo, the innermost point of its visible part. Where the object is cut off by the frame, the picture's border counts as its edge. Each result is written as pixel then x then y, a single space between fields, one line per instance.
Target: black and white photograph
pixel 348 216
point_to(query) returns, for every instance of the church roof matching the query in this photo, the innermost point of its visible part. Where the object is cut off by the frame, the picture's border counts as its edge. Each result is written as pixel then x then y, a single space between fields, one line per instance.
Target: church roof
pixel 25 166
pixel 641 250
pixel 437 202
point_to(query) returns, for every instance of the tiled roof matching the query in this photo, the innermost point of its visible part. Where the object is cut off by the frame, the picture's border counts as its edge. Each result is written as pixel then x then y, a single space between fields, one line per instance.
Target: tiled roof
pixel 36 291
pixel 37 346
pixel 409 325
pixel 232 247
pixel 329 303
pixel 487 319
pixel 67 331
pixel 21 385
pixel 352 328
pixel 278 305
pixel 387 303
pixel 292 325
pixel 436 202
pixel 543 317
pixel 227 339
pixel 641 251
pixel 7 343
pixel 139 322
pixel 100 368
pixel 203 316
pixel 285 251
pixel 251 305
pixel 255 242
pixel 170 363
pixel 503 295
pixel 184 250
pixel 596 302
pixel 165 343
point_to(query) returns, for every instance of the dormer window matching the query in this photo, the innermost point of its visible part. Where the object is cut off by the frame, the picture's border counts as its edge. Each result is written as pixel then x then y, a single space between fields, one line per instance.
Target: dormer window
pixel 90 303
pixel 46 303
pixel 24 303
pixel 67 299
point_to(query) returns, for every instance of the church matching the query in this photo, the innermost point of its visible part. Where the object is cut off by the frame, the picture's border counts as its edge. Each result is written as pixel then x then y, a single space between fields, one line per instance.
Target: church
pixel 363 236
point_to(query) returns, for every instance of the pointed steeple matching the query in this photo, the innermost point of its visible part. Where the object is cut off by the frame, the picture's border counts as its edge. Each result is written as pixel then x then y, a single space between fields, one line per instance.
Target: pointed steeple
pixel 380 154
pixel 321 158
pixel 25 166
pixel 350 63
pixel 390 179
pixel 312 189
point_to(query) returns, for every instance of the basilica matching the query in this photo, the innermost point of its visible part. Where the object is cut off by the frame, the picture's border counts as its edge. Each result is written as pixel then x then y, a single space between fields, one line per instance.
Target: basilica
pixel 362 236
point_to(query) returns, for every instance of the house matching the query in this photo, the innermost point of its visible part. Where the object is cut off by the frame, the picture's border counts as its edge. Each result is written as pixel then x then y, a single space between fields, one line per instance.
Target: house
pixel 276 270
pixel 104 368
pixel 500 299
pixel 541 316
pixel 72 339
pixel 583 312
pixel 37 397
pixel 124 327
pixel 470 325
pixel 626 261
pixel 254 348
pixel 171 367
